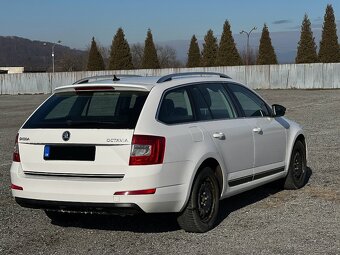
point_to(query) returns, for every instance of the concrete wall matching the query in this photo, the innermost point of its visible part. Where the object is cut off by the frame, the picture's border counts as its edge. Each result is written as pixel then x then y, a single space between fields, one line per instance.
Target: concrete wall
pixel 303 76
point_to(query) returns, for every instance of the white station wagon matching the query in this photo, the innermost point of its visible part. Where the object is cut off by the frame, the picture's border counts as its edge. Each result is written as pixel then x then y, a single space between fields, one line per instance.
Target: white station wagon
pixel 177 143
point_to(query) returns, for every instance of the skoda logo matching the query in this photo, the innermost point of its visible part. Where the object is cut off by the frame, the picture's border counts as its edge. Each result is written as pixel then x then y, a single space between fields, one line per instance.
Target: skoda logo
pixel 66 136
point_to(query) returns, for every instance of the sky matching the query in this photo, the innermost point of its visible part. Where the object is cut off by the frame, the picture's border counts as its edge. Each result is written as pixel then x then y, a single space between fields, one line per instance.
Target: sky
pixel 74 22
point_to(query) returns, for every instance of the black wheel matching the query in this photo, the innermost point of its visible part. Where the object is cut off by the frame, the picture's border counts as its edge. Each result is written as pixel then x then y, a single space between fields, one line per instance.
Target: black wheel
pixel 201 211
pixel 297 172
pixel 61 217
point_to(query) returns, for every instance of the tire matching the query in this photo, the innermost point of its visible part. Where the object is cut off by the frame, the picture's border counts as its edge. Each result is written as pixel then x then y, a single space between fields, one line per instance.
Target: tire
pixel 297 172
pixel 200 213
pixel 60 217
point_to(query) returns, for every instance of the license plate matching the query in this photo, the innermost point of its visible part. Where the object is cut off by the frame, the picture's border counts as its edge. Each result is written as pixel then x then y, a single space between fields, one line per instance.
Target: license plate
pixel 70 152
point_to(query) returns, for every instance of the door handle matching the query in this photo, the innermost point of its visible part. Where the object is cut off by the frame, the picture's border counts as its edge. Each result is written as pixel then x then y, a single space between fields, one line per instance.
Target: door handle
pixel 219 135
pixel 257 130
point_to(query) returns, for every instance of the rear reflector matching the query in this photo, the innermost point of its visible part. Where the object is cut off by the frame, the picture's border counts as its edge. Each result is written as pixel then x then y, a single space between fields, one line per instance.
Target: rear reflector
pixel 16 155
pixel 147 150
pixel 137 192
pixel 16 187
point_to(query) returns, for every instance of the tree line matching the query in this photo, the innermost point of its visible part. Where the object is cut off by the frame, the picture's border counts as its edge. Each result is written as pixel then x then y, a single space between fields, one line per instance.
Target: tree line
pixel 214 53
pixel 121 58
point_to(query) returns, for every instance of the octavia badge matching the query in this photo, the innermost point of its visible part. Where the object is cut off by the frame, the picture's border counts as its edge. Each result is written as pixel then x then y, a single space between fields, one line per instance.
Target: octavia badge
pixel 66 136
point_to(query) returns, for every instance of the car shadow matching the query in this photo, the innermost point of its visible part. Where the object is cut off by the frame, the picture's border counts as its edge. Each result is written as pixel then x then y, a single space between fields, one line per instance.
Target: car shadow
pixel 234 203
pixel 140 223
pixel 166 222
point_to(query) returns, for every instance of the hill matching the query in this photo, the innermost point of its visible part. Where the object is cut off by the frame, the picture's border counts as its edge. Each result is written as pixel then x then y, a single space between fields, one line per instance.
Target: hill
pixel 36 55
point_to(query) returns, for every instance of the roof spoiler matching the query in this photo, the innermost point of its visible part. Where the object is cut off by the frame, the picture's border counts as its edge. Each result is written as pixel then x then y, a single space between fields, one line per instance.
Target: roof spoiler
pixel 114 77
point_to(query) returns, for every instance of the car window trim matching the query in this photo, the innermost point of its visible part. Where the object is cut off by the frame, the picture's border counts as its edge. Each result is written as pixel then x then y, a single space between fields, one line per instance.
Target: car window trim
pixel 188 87
pixel 192 102
pixel 225 94
pixel 234 102
pixel 239 107
pixel 196 106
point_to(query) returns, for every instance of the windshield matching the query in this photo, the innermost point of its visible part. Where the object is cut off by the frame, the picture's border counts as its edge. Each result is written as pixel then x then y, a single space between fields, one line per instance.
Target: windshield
pixel 94 109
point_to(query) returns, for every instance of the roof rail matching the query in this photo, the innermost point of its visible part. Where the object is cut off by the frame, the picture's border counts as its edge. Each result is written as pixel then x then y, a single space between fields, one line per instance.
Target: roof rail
pixel 170 76
pixel 114 77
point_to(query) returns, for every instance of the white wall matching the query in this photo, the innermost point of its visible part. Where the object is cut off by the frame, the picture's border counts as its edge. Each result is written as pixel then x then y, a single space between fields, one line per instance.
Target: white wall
pixel 302 76
pixel 13 69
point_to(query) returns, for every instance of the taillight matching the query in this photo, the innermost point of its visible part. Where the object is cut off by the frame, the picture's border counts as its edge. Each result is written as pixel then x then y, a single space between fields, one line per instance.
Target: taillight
pixel 137 192
pixel 147 150
pixel 16 155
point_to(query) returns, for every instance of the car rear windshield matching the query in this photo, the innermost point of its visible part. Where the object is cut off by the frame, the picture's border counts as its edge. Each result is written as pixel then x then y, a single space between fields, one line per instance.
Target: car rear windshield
pixel 97 109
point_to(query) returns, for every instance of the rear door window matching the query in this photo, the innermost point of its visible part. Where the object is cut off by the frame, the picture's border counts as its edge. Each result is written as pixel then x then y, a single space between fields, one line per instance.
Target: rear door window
pixel 97 109
pixel 218 101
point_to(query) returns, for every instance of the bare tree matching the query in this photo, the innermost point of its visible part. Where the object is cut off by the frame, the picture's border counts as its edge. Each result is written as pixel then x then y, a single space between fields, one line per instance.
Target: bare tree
pixel 167 57
pixel 70 62
pixel 251 57
pixel 105 52
pixel 137 50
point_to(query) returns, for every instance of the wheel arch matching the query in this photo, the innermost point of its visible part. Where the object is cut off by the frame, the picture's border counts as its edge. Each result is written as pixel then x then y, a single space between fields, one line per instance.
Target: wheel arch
pixel 216 165
pixel 299 136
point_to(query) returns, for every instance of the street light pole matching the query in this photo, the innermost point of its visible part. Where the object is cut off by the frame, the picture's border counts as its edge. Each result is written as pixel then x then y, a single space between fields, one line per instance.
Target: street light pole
pixel 58 42
pixel 248 35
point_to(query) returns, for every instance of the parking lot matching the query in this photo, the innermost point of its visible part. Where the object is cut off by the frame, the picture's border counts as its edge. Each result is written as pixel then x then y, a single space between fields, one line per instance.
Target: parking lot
pixel 267 220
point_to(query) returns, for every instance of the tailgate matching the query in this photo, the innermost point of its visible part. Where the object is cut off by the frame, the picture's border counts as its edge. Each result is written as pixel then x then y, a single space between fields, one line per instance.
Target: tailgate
pixel 86 152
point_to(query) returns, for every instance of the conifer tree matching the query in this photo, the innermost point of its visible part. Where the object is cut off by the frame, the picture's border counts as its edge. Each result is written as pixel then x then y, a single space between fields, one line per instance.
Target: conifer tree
pixel 210 48
pixel 306 51
pixel 95 61
pixel 120 54
pixel 194 55
pixel 267 54
pixel 329 47
pixel 150 59
pixel 227 52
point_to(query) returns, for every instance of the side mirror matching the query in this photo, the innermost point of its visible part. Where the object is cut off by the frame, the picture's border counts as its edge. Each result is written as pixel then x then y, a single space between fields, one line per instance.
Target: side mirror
pixel 278 110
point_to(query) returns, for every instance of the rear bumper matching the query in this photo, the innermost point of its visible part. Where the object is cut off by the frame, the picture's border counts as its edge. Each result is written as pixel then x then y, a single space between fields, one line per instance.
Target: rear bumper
pixel 97 194
pixel 101 208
